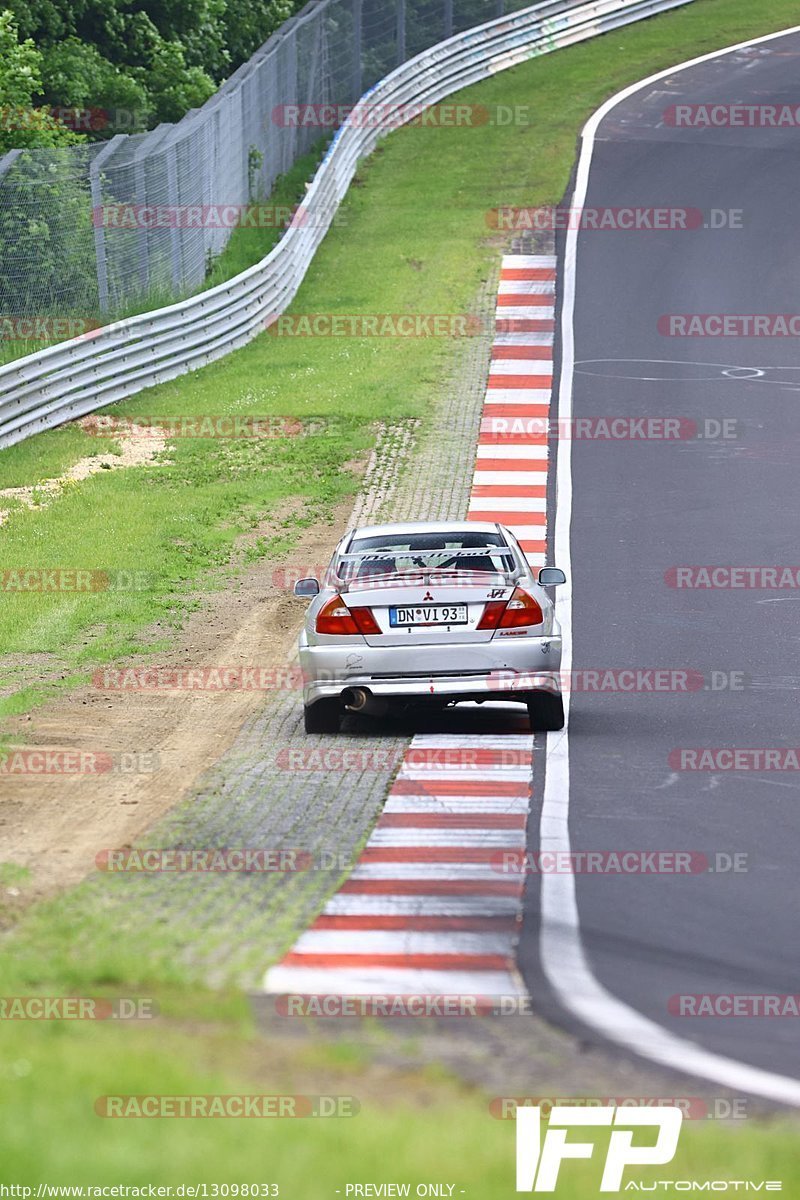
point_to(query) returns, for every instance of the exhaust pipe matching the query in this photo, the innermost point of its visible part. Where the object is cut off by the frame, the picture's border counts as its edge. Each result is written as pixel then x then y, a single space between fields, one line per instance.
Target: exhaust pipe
pixel 360 700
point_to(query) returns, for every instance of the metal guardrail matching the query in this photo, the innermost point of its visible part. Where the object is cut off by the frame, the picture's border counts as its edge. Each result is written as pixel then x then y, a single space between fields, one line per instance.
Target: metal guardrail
pixel 73 378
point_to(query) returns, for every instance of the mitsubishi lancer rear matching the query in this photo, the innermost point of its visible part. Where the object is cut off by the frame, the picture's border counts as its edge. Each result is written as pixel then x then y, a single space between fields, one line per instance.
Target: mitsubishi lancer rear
pixel 429 613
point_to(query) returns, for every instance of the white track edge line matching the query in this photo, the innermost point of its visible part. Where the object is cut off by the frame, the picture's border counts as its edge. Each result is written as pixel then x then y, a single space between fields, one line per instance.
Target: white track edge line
pixel 562 955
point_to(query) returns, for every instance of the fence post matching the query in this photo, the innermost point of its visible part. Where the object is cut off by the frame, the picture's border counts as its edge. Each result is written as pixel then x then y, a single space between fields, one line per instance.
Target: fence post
pixel 401 32
pixel 292 49
pixel 7 161
pixel 357 45
pixel 144 148
pixel 96 191
pixel 173 202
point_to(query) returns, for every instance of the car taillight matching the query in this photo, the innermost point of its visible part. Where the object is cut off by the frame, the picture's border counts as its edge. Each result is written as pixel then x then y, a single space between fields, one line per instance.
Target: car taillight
pixel 522 609
pixel 492 614
pixel 336 617
pixel 365 620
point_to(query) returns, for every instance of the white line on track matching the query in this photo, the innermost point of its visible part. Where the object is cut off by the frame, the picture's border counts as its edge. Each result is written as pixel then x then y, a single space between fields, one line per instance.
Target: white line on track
pixel 563 958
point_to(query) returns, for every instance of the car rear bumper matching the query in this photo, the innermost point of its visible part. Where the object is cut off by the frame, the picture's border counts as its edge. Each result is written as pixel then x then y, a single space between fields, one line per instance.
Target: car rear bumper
pixel 482 671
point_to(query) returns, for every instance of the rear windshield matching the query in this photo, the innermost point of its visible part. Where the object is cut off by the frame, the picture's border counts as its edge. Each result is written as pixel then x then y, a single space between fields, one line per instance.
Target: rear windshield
pixel 454 552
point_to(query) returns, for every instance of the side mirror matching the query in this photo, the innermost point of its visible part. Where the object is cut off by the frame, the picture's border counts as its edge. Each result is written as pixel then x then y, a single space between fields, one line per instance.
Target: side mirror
pixel 307 587
pixel 551 577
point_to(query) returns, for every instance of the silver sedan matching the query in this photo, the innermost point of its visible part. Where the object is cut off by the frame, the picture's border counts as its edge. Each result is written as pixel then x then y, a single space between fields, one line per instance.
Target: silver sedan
pixel 429 613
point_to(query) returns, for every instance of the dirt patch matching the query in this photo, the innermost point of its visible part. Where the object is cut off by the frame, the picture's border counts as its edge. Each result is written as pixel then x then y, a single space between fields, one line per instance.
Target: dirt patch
pixel 152 747
pixel 19 671
pixel 136 448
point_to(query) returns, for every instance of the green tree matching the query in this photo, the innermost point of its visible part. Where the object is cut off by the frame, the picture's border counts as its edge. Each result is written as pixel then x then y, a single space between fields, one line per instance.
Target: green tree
pixel 174 87
pixel 22 124
pixel 248 24
pixel 153 57
pixel 44 208
pixel 75 75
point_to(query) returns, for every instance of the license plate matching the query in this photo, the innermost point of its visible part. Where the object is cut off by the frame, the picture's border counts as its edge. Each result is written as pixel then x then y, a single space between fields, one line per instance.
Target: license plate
pixel 432 614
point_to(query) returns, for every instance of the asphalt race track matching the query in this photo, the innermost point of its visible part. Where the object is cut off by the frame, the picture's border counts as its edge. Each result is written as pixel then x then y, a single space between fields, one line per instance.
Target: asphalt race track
pixel 642 507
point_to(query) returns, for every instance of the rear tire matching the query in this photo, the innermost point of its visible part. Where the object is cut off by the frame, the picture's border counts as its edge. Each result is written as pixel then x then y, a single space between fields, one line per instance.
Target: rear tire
pixel 323 717
pixel 545 712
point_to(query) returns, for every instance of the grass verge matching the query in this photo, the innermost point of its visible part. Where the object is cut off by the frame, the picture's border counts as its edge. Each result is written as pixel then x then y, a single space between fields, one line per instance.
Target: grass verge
pixel 409 1129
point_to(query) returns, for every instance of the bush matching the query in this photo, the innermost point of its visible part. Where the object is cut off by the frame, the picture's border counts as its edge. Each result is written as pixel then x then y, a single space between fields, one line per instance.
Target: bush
pixel 156 61
pixel 21 123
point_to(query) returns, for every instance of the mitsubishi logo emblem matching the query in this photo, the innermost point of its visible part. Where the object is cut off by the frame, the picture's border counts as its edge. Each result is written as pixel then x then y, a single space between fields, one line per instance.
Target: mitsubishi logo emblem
pixel 427 596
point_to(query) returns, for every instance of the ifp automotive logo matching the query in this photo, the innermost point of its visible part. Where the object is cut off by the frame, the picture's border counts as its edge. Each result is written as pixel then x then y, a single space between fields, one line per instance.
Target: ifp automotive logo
pixel 539 1161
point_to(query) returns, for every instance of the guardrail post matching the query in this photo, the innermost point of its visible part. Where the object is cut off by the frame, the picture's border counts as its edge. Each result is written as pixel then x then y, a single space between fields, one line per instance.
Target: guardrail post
pixel 357 46
pixel 448 18
pixel 96 191
pixel 401 32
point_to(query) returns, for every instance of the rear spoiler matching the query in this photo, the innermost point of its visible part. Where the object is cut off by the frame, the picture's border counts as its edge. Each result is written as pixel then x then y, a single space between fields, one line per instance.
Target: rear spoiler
pixel 462 574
